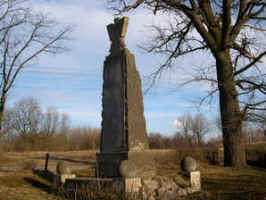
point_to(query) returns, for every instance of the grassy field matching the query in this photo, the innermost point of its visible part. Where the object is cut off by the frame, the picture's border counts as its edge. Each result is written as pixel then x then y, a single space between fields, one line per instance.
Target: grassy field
pixel 18 182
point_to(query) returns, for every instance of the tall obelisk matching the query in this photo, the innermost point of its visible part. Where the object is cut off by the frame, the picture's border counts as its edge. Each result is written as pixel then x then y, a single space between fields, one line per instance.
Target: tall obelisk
pixel 123 122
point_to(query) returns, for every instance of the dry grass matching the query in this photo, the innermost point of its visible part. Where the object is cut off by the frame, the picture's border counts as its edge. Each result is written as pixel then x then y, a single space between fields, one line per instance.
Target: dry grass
pixel 24 184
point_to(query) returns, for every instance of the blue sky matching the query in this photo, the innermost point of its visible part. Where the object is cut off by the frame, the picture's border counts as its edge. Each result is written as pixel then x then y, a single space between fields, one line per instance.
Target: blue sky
pixel 72 82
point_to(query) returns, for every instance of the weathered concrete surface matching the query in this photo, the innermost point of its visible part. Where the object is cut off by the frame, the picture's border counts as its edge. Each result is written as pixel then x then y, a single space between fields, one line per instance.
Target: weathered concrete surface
pixel 123 122
pixel 113 138
pixel 136 125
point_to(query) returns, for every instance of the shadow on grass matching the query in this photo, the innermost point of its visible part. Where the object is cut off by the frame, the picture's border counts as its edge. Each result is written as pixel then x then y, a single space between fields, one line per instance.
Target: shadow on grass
pixel 73 161
pixel 38 184
pixel 45 174
pixel 66 159
pixel 256 163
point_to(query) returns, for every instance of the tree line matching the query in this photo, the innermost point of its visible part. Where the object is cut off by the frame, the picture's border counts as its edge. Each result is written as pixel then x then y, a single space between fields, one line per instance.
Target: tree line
pixel 196 130
pixel 29 127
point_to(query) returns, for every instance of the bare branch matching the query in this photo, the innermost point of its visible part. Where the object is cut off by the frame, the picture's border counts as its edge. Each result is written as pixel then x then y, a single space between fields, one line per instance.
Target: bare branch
pixel 251 64
pixel 134 5
pixel 44 48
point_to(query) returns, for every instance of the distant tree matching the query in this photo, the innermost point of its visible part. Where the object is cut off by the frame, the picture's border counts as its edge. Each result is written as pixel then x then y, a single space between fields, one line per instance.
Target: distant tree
pixel 84 138
pixel 155 141
pixel 227 29
pixel 193 127
pixel 24 36
pixel 185 124
pixel 26 116
pixel 34 129
pixel 160 141
pixel 200 127
pixel 50 123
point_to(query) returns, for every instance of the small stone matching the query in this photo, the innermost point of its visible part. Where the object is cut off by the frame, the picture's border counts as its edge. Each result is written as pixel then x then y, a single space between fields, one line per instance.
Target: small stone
pixel 128 168
pixel 189 190
pixel 61 168
pixel 150 184
pixel 181 182
pixel 188 164
pixel 169 184
pixel 151 198
pixel 170 195
pixel 161 191
pixel 182 192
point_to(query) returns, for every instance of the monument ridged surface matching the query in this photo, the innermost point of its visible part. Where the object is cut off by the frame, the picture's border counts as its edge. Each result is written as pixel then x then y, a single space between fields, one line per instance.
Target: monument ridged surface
pixel 123 122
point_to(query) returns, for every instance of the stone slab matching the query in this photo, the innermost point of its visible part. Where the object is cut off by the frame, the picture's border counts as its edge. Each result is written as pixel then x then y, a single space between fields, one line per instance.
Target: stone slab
pixel 195 180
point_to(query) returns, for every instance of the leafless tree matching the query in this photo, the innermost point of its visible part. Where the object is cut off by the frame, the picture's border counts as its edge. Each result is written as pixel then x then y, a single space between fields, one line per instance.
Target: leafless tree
pixel 185 123
pixel 50 122
pixel 193 127
pixel 32 128
pixel 200 127
pixel 26 116
pixel 83 138
pixel 228 30
pixel 24 36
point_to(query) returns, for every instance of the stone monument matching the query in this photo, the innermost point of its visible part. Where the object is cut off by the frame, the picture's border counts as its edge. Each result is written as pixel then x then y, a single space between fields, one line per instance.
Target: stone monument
pixel 123 122
pixel 123 165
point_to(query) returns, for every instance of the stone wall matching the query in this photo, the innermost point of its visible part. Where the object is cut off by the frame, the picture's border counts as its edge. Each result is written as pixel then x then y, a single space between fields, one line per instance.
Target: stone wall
pixel 153 188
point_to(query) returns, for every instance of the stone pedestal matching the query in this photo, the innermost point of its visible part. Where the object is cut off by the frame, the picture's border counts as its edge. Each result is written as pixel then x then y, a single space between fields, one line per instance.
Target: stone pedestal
pixel 195 180
pixel 61 179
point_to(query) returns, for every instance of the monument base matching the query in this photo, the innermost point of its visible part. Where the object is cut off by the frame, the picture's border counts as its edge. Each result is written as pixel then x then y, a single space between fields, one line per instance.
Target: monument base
pixel 108 164
pixel 158 187
pixel 92 188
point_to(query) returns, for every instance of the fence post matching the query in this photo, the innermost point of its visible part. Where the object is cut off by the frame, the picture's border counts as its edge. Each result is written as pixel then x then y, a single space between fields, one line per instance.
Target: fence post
pixel 46 161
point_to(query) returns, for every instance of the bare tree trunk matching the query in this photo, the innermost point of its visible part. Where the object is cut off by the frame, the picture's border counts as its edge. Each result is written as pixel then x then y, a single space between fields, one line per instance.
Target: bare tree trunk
pixel 2 106
pixel 231 117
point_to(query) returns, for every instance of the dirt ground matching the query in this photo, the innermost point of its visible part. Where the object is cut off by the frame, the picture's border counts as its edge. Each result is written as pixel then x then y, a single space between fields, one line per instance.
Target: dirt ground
pixel 19 182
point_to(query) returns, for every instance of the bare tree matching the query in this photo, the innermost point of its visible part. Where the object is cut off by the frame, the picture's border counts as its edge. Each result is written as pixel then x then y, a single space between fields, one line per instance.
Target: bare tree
pixel 24 36
pixel 25 121
pixel 84 138
pixel 193 127
pixel 50 122
pixel 200 127
pixel 185 123
pixel 26 117
pixel 28 125
pixel 224 29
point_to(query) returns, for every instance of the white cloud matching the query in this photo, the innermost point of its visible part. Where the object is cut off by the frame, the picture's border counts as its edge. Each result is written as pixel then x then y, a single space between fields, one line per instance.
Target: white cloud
pixel 177 123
